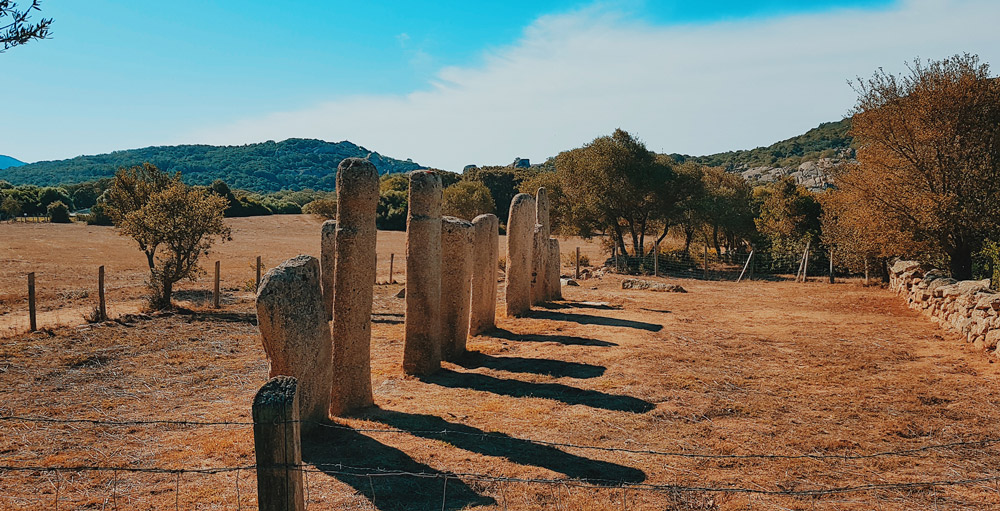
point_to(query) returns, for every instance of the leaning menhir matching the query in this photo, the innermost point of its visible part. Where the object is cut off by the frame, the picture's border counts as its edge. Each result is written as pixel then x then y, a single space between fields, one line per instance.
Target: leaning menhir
pixel 422 338
pixel 456 285
pixel 327 262
pixel 357 199
pixel 520 232
pixel 295 333
pixel 485 259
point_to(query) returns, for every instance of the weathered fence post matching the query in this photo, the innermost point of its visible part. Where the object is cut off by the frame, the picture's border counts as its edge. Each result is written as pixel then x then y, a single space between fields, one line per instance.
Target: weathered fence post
pixel 576 274
pixel 31 302
pixel 706 262
pixel 215 293
pixel 831 266
pixel 101 304
pixel 257 285
pixel 357 200
pixel 422 334
pixel 656 259
pixel 805 264
pixel 277 443
pixel 392 260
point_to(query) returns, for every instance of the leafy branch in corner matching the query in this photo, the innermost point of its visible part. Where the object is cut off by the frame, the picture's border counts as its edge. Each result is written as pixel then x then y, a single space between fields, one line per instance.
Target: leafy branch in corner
pixel 15 27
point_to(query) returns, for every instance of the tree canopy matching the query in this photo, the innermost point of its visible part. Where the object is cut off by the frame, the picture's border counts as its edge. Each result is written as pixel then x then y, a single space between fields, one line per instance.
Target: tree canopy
pixel 16 27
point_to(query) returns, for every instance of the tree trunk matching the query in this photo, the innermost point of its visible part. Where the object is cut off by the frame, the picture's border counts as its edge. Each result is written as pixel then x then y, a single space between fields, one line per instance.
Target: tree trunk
pixel 688 238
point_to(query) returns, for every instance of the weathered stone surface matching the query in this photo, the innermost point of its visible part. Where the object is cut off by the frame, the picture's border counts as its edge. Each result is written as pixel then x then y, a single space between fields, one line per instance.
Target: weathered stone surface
pixel 541 288
pixel 569 282
pixel 327 262
pixel 520 232
pixel 486 257
pixel 422 338
pixel 652 286
pixel 904 266
pixel 456 286
pixel 992 339
pixel 539 257
pixel 552 284
pixel 294 330
pixel 357 200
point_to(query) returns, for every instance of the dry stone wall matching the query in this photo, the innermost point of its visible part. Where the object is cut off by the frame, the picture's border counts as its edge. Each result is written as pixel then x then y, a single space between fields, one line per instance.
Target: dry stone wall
pixel 968 307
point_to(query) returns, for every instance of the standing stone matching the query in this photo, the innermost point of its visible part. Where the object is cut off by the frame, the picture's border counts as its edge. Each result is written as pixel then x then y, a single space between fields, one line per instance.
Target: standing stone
pixel 552 283
pixel 485 258
pixel 327 262
pixel 422 338
pixel 520 232
pixel 456 285
pixel 295 332
pixel 540 249
pixel 357 199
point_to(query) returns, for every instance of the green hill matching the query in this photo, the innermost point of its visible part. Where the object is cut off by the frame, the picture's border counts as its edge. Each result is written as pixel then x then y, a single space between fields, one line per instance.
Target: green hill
pixel 293 164
pixel 7 161
pixel 824 141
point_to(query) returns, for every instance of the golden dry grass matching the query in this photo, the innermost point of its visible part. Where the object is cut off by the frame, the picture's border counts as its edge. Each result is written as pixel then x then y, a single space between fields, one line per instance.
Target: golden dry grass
pixel 726 369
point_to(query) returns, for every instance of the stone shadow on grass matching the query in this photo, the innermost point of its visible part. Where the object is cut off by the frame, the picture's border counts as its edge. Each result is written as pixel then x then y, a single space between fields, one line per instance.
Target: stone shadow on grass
pixel 555 368
pixel 349 457
pixel 556 391
pixel 569 304
pixel 586 319
pixel 572 340
pixel 522 452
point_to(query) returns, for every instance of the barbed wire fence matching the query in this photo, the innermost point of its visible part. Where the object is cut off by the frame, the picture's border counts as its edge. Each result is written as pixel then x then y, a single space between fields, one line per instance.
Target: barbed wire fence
pixel 342 470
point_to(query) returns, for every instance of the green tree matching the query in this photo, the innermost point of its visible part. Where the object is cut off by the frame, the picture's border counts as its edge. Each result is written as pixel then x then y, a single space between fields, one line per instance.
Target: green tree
pixel 323 208
pixel 10 207
pixel 58 213
pixel 467 200
pixel 159 211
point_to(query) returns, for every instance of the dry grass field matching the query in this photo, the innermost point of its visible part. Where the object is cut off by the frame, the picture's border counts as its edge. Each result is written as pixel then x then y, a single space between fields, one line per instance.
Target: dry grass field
pixel 727 397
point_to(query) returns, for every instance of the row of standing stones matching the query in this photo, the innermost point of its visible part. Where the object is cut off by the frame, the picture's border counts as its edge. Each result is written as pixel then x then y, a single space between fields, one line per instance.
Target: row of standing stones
pixel 968 307
pixel 314 315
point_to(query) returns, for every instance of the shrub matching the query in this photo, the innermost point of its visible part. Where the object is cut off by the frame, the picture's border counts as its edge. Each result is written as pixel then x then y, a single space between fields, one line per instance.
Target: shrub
pixel 323 208
pixel 58 213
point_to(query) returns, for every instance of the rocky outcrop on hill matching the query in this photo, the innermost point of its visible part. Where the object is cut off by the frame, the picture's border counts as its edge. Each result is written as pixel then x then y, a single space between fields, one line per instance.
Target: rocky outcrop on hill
pixel 814 175
pixel 968 307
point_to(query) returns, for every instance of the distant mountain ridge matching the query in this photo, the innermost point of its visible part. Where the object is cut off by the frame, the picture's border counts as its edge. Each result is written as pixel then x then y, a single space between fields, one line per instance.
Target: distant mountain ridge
pixel 7 162
pixel 292 164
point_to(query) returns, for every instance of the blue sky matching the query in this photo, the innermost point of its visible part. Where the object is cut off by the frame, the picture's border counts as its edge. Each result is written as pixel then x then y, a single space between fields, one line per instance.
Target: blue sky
pixel 451 83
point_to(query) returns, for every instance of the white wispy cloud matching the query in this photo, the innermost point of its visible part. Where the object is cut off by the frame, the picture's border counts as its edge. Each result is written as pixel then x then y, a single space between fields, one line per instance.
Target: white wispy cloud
pixel 695 89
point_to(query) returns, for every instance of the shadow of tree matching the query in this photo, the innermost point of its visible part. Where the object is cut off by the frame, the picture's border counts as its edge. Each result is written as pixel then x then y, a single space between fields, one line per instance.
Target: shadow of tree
pixel 573 340
pixel 555 368
pixel 586 319
pixel 569 304
pixel 556 391
pixel 523 452
pixel 350 457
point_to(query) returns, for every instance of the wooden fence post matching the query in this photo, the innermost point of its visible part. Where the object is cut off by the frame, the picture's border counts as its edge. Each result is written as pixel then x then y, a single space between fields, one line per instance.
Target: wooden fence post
pixel 745 266
pixel 805 264
pixel 258 275
pixel 277 442
pixel 100 294
pixel 31 301
pixel 831 266
pixel 656 259
pixel 576 274
pixel 392 260
pixel 215 295
pixel 706 262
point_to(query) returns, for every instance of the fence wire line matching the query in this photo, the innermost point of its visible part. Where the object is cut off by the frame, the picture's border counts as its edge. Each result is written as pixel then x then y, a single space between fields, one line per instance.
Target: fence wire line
pixel 575 483
pixel 502 436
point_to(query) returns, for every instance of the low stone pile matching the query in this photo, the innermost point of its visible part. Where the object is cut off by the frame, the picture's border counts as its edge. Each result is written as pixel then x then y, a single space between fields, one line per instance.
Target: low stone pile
pixel 968 307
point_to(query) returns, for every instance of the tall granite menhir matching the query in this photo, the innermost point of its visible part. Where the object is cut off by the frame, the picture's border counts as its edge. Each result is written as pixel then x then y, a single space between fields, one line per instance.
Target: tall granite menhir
pixel 552 283
pixel 520 233
pixel 357 199
pixel 295 333
pixel 485 259
pixel 422 337
pixel 456 285
pixel 540 249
